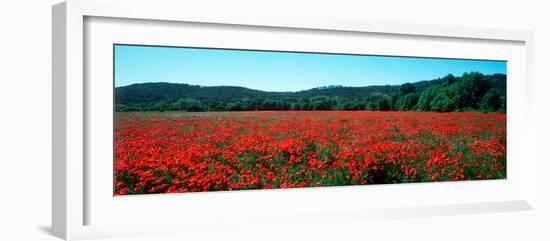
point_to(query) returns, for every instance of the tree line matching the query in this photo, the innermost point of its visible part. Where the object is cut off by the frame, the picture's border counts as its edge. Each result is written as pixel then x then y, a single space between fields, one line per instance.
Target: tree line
pixel 470 92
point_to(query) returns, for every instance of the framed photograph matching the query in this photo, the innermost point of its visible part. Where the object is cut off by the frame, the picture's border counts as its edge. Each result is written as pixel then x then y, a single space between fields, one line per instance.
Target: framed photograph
pixel 200 122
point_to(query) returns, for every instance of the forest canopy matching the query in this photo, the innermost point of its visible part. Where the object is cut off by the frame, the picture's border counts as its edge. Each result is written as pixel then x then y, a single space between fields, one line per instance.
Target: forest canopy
pixel 471 92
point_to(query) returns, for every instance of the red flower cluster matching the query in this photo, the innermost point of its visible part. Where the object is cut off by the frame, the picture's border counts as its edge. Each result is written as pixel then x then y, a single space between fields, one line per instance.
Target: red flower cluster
pixel 194 152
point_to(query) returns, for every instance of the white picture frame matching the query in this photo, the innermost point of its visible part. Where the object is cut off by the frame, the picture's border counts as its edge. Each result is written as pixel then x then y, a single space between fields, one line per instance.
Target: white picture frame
pixel 71 111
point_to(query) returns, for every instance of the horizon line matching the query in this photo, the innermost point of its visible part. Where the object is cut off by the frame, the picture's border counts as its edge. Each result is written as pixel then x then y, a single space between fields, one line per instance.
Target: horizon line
pixel 328 86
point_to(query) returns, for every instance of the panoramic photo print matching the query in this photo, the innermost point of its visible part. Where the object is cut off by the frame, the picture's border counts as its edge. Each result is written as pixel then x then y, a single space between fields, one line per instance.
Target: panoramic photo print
pixel 203 119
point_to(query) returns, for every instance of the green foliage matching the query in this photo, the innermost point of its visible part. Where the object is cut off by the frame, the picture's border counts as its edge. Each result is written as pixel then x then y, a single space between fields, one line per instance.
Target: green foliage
pixel 503 105
pixel 469 92
pixel 383 104
pixel 321 103
pixel 443 103
pixel 449 79
pixel 372 105
pixel 407 88
pixel 407 102
pixel 190 105
pixel 470 89
pixel 491 101
pixel 425 99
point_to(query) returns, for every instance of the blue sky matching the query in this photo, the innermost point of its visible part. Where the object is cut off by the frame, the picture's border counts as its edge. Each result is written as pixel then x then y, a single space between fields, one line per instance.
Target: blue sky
pixel 280 71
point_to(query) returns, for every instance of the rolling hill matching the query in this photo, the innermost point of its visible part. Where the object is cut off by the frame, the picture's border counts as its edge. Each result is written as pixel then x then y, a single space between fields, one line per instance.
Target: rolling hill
pixel 162 93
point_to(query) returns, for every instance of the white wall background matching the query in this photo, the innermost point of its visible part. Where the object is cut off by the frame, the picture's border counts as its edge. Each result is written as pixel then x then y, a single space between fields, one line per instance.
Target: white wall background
pixel 25 120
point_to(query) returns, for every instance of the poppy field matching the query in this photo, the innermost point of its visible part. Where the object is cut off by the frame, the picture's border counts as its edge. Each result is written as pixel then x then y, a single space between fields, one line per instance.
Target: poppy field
pixel 176 152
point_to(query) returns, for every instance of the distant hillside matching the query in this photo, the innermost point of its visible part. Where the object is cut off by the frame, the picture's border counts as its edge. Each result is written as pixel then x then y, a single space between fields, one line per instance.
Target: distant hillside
pixel 171 96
